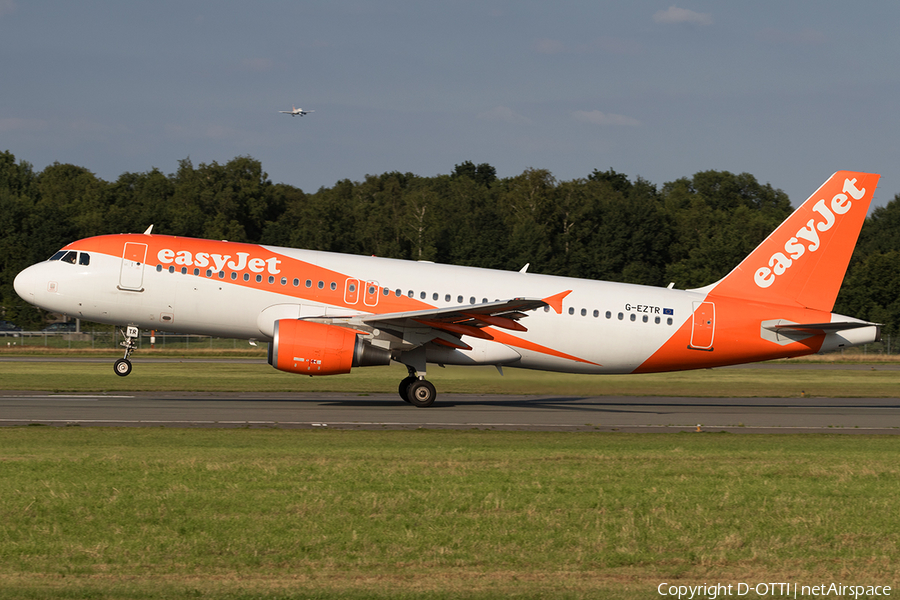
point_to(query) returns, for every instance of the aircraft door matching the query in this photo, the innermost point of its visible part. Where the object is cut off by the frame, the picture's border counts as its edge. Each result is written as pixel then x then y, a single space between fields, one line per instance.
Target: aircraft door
pixel 131 276
pixel 704 326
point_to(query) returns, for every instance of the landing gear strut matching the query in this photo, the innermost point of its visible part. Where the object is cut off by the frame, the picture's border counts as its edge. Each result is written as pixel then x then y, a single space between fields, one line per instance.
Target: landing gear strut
pixel 417 390
pixel 122 367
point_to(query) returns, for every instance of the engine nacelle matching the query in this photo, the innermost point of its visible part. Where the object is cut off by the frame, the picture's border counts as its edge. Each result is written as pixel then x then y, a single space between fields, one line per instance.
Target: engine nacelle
pixel 317 349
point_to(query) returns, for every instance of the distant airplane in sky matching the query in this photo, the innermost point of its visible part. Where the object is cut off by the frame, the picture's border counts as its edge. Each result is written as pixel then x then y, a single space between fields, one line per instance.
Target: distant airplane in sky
pixel 323 313
pixel 294 112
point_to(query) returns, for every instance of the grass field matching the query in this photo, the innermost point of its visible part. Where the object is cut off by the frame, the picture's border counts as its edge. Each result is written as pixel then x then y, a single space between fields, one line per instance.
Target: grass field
pixel 166 513
pixel 871 381
pixel 250 514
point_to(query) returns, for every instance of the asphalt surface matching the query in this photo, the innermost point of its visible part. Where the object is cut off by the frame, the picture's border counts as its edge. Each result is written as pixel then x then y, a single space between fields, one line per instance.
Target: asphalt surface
pixel 454 411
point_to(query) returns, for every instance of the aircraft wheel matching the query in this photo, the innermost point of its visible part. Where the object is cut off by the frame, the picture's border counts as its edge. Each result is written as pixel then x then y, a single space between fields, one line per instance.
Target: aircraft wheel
pixel 122 367
pixel 421 393
pixel 404 387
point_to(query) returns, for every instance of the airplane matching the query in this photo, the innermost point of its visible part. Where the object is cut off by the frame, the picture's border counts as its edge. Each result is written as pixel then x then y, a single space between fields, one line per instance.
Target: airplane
pixel 324 313
pixel 296 112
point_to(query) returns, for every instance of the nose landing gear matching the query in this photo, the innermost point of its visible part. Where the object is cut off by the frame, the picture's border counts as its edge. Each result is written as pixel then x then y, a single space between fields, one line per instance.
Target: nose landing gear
pixel 122 367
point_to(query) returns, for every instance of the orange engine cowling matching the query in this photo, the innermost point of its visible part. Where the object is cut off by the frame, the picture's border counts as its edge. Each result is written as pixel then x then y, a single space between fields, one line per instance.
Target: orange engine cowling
pixel 317 349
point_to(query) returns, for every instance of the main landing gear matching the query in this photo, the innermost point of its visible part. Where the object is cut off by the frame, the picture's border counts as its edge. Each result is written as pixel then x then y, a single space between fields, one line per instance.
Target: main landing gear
pixel 418 392
pixel 122 367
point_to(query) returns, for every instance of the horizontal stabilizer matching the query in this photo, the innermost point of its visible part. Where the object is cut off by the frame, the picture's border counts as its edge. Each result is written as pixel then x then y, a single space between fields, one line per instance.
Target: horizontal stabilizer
pixel 819 328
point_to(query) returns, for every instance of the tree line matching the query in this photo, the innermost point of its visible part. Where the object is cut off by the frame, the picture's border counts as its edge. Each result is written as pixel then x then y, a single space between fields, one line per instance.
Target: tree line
pixel 690 231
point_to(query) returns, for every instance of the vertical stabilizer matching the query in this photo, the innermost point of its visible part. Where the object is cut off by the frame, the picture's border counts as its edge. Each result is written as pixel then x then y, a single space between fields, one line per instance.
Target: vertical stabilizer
pixel 802 263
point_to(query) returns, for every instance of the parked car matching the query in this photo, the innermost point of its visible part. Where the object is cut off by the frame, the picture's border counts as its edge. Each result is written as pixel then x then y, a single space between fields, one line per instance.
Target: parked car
pixel 59 328
pixel 7 328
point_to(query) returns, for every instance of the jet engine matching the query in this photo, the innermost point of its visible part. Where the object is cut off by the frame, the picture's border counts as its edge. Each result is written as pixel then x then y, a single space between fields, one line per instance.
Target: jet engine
pixel 318 349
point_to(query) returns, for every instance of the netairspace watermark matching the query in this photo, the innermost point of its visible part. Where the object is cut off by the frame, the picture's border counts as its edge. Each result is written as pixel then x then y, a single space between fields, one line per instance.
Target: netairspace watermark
pixel 774 590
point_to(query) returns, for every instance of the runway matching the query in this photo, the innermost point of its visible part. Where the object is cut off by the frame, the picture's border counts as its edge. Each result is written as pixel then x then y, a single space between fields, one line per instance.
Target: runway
pixel 454 411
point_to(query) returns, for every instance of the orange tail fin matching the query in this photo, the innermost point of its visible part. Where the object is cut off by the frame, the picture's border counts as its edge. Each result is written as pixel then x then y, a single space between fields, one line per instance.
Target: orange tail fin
pixel 802 263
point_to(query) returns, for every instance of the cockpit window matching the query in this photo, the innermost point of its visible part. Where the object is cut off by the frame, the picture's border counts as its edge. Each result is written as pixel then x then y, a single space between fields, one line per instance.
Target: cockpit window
pixel 72 257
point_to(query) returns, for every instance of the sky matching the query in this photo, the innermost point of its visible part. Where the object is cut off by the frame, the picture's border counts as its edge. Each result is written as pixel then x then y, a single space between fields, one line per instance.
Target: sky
pixel 789 92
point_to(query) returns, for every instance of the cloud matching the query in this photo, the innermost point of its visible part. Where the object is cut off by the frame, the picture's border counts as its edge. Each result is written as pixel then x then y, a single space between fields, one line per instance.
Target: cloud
pixel 28 125
pixel 7 7
pixel 595 117
pixel 604 44
pixel 197 131
pixel 682 15
pixel 548 46
pixel 258 65
pixel 503 113
pixel 806 37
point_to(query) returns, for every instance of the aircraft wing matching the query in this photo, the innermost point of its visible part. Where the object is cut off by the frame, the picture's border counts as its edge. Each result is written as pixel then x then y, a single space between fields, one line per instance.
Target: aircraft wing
pixel 446 326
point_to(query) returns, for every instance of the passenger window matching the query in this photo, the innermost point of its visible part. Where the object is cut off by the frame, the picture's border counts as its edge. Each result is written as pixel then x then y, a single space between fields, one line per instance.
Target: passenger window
pixel 272 279
pixel 459 299
pixel 657 320
pixel 621 316
pixel 669 321
pixel 259 279
pixel 434 296
pixel 571 310
pixel 196 272
pixel 472 300
pixel 296 282
pixel 284 282
pixel 321 285
pixel 184 270
pixel 583 312
pixel 246 276
pixel 233 276
pixel 159 268
pixel 309 283
pixel 633 316
pixel 209 272
pixel 84 259
pixel 645 318
pixel 221 274
pixel 171 268
pixel 447 298
pixel 422 295
pixel 608 315
pixel 333 286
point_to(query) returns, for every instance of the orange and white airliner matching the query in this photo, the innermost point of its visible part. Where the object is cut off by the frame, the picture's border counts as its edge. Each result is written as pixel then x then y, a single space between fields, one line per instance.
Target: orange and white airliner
pixel 323 313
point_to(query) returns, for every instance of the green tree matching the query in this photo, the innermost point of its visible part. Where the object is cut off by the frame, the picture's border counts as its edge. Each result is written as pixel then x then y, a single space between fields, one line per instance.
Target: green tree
pixel 717 219
pixel 138 200
pixel 870 291
pixel 17 248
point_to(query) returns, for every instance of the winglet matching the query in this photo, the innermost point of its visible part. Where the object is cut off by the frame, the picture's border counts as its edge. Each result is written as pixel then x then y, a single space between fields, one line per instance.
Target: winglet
pixel 555 301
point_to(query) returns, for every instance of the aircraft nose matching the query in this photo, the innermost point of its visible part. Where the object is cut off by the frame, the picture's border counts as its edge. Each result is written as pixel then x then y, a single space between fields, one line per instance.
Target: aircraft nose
pixel 25 283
